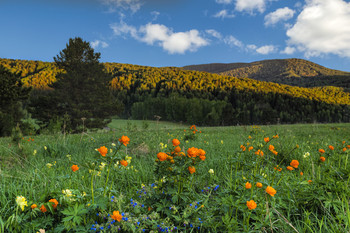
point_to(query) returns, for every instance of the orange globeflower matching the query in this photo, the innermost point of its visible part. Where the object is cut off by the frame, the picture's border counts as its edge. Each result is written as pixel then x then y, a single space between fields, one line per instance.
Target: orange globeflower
pixel 301 173
pixel 348 146
pixel 270 191
pixel 243 147
pixel 43 209
pixel 250 148
pixel 322 158
pixel 278 168
pixel 248 185
pixel 103 150
pixel 276 136
pixel 116 216
pixel 55 202
pixel 344 149
pixel 331 147
pixel 271 147
pixel 191 169
pixel 75 168
pixel 162 156
pixel 294 163
pixel 33 206
pixel 124 140
pixel 310 181
pixel 251 204
pixel 192 152
pixel 274 152
pixel 175 142
pixel 260 153
pixel 267 139
pixel 177 149
pixel 259 185
pixel 290 168
pixel 321 151
pixel 124 163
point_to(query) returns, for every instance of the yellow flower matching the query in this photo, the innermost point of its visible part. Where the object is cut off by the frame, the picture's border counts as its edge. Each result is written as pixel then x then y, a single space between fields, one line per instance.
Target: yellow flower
pixel 45 147
pixel 21 202
pixel 49 165
pixel 102 166
pixel 67 193
pixel 34 152
pixel 211 171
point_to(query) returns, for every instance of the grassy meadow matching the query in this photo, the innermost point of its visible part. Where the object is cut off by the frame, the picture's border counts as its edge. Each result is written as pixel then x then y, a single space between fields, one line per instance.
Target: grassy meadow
pixel 279 178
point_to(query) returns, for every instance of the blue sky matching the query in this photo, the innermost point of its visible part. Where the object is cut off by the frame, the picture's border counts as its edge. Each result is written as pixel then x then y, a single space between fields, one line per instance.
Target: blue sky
pixel 180 32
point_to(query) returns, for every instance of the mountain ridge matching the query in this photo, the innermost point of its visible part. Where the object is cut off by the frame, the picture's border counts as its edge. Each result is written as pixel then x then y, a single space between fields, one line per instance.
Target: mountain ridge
pixel 292 71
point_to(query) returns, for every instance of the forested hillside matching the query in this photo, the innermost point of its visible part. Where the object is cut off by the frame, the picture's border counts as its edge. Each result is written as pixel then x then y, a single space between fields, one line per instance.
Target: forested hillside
pixel 202 98
pixel 296 72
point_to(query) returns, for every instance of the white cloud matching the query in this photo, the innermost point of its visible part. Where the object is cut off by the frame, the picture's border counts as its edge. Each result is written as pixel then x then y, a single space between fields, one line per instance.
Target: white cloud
pixel 251 5
pixel 252 46
pixel 214 33
pixel 224 14
pixel 266 49
pixel 133 5
pixel 172 42
pixel 281 14
pixel 95 44
pixel 288 50
pixel 323 27
pixel 155 15
pixel 224 1
pixel 233 41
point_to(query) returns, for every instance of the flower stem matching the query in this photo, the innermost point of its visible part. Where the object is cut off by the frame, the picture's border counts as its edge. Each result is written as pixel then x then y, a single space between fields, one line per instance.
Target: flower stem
pixel 92 187
pixel 109 168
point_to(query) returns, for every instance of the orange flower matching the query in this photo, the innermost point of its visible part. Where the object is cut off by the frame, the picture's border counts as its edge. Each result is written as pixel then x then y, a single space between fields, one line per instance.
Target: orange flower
pixel 321 151
pixel 103 150
pixel 348 146
pixel 149 208
pixel 310 181
pixel 274 152
pixel 251 204
pixel 290 168
pixel 343 142
pixel 270 191
pixel 43 209
pixel 124 163
pixel 294 163
pixel 202 157
pixel 276 136
pixel 243 147
pixel 175 142
pixel 267 139
pixel 162 156
pixel 55 202
pixel 116 216
pixel 259 152
pixel 301 173
pixel 248 185
pixel 250 137
pixel 259 185
pixel 278 168
pixel 75 168
pixel 322 158
pixel 271 147
pixel 250 148
pixel 192 152
pixel 331 147
pixel 33 206
pixel 177 149
pixel 124 140
pixel 193 127
pixel 191 169
pixel 344 149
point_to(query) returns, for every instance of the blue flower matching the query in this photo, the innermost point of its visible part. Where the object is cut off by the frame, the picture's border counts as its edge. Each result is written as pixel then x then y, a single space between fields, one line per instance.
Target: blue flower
pixel 123 214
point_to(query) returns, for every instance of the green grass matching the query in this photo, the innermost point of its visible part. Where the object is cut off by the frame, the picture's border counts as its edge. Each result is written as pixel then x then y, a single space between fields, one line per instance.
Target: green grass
pixel 321 206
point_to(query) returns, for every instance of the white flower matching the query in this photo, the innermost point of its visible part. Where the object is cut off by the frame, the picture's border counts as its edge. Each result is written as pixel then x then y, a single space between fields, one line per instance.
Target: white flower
pixel 307 154
pixel 67 193
pixel 211 171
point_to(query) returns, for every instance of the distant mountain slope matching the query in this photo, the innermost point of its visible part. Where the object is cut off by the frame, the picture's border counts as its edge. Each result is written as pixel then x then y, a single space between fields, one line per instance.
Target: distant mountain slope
pixel 296 72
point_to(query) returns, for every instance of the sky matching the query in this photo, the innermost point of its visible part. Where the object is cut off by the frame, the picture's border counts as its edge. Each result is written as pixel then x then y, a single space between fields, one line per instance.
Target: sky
pixel 180 32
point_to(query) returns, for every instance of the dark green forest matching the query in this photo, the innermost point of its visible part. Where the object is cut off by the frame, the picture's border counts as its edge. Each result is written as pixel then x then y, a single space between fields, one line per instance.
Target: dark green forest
pixel 194 97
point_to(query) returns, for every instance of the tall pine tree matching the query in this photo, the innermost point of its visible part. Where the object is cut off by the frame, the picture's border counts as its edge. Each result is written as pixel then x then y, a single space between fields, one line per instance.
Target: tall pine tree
pixel 12 93
pixel 81 90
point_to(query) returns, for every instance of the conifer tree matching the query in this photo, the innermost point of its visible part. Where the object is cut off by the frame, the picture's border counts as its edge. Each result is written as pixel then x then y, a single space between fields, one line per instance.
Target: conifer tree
pixel 12 93
pixel 81 90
